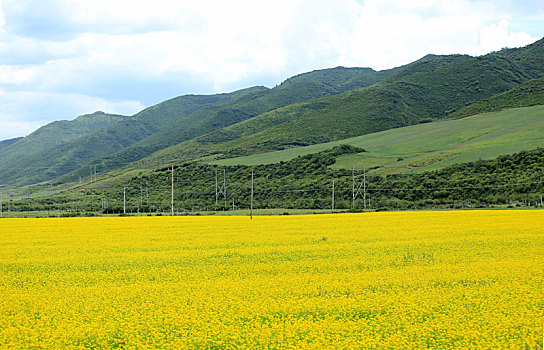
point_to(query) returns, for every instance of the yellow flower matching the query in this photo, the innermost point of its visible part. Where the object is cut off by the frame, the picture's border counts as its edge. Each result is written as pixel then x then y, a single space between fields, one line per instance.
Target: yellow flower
pixel 441 280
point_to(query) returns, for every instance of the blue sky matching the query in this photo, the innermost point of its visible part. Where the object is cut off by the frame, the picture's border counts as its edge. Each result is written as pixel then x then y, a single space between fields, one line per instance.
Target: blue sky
pixel 62 58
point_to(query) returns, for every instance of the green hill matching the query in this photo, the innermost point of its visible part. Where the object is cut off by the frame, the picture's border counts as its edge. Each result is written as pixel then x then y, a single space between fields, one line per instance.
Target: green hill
pixel 305 182
pixel 342 78
pixel 305 87
pixel 428 89
pixel 62 131
pixel 528 94
pixel 428 146
pixel 9 142
pixel 172 122
pixel 62 156
pixel 308 109
pixel 24 152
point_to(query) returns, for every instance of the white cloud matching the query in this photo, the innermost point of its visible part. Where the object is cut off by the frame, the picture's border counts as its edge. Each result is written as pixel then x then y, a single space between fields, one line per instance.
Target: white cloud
pixel 13 128
pixel 13 75
pixel 394 32
pixel 497 36
pixel 118 50
pixel 22 112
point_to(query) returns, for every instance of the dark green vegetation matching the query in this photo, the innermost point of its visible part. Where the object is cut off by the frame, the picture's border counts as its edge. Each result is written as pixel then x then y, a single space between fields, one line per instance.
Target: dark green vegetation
pixel 68 155
pixel 56 133
pixel 428 146
pixel 356 106
pixel 426 90
pixel 172 122
pixel 28 156
pixel 306 183
pixel 6 143
pixel 528 94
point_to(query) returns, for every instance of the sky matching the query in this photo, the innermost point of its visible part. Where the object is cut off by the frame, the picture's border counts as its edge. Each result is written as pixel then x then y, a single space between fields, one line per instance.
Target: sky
pixel 64 58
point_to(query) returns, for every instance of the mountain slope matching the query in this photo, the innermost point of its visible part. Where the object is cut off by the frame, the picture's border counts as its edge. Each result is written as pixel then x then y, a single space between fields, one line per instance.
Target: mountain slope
pixel 63 131
pixel 342 78
pixel 46 138
pixel 172 122
pixel 428 146
pixel 528 94
pixel 428 89
pixel 9 142
pixel 304 87
pixel 75 153
pixel 307 109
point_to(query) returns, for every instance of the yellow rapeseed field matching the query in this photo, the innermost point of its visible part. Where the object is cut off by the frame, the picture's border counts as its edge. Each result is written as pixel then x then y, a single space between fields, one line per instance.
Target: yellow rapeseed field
pixel 439 280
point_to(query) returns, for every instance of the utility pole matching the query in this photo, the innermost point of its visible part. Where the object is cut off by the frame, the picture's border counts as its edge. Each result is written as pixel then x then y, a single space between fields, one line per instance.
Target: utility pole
pixel 333 196
pixel 359 189
pixel 251 210
pixel 225 185
pixel 221 189
pixel 93 173
pixel 141 194
pixel 172 204
pixel 353 186
pixel 124 200
pixel 1 212
pixel 541 196
pixel 364 186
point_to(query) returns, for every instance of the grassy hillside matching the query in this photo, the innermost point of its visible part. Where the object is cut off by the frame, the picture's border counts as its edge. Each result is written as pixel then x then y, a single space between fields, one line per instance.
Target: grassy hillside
pixel 6 143
pixel 528 94
pixel 60 158
pixel 24 152
pixel 59 132
pixel 428 146
pixel 172 122
pixel 342 78
pixel 305 87
pixel 429 89
pixel 214 118
pixel 306 182
pixel 305 110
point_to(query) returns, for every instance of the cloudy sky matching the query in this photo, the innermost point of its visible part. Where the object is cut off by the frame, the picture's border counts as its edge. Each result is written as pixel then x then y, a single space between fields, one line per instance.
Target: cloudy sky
pixel 63 58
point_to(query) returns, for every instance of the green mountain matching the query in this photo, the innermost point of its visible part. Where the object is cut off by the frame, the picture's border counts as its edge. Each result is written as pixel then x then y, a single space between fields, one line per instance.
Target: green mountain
pixel 308 86
pixel 63 156
pixel 9 142
pixel 63 131
pixel 530 93
pixel 175 121
pixel 23 152
pixel 342 78
pixel 308 109
pixel 429 89
pixel 428 146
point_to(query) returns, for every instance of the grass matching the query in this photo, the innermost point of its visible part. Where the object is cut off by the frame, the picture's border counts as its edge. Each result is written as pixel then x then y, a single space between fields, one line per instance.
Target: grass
pixel 429 146
pixel 530 93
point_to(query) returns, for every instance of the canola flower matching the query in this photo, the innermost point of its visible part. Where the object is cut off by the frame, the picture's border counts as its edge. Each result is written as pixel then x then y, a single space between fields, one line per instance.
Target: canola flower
pixel 407 280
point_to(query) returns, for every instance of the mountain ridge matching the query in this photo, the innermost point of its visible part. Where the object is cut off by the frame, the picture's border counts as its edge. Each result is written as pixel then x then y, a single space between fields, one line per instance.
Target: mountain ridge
pixel 309 108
